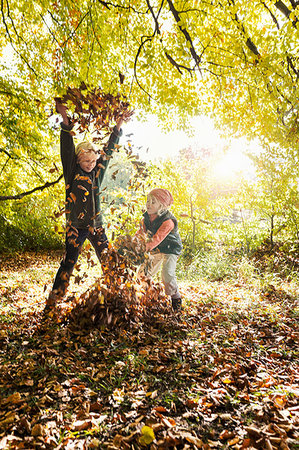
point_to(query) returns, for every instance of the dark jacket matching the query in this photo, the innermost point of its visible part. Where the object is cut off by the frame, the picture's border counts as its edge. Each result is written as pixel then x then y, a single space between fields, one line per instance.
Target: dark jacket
pixel 172 243
pixel 83 188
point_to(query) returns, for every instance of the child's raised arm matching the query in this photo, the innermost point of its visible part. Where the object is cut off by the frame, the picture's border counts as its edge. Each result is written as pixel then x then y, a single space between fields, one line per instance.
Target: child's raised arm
pixel 62 110
pixel 125 117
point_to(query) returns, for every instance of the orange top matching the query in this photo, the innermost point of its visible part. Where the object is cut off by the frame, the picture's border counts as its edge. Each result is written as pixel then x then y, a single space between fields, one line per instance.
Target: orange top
pixel 160 235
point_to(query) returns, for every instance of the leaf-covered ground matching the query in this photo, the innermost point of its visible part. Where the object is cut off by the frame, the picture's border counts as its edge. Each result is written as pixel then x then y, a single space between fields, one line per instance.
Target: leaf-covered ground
pixel 223 374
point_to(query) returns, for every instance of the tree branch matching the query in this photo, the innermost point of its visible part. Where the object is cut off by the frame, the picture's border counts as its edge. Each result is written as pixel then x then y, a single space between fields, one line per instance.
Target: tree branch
pixel 291 65
pixel 75 29
pixel 6 153
pixel 155 17
pixel 157 30
pixel 148 38
pixel 110 4
pixel 249 43
pixel 23 194
pixel 282 8
pixel 272 15
pixel 185 33
pixel 11 40
pixel 176 65
pixel 285 11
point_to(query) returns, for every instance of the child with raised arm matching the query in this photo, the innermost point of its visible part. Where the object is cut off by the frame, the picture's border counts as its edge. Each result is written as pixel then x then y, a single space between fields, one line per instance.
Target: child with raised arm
pixel 83 170
pixel 164 242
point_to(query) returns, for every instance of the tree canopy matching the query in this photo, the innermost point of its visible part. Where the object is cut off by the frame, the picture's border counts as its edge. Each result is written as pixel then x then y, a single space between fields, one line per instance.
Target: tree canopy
pixel 233 59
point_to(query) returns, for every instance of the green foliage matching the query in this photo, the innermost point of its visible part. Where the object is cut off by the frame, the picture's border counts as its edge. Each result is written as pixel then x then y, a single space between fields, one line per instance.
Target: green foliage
pixel 239 228
pixel 25 134
pixel 29 224
pixel 263 267
pixel 273 196
pixel 213 264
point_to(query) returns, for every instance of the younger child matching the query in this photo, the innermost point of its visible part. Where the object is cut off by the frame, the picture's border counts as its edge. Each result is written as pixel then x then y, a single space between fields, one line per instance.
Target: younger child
pixel 164 243
pixel 83 170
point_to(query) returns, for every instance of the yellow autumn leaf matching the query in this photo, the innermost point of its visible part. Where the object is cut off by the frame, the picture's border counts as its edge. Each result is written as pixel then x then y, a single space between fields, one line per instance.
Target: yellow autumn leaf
pixel 280 401
pixel 227 380
pixel 148 435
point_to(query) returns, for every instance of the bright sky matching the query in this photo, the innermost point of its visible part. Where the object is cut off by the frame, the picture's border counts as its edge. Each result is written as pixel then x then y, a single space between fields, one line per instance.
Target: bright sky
pixel 156 144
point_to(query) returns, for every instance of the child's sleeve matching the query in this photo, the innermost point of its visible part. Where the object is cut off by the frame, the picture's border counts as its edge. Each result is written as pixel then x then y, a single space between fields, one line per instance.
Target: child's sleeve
pixel 160 235
pixel 141 229
pixel 108 150
pixel 67 151
pixel 114 139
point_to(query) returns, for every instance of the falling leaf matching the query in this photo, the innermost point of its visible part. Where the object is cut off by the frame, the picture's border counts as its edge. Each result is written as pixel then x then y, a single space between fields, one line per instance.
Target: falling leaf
pixel 73 197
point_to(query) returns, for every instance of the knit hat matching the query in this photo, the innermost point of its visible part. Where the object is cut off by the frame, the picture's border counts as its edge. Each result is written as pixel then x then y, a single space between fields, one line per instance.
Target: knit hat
pixel 163 196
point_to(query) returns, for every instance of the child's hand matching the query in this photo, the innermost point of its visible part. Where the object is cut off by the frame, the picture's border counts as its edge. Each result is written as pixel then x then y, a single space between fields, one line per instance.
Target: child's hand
pixel 61 109
pixel 127 114
pixel 119 123
pixel 125 117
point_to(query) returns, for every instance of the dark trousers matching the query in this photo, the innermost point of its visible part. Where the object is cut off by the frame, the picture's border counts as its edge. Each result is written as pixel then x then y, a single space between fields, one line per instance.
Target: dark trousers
pixel 75 238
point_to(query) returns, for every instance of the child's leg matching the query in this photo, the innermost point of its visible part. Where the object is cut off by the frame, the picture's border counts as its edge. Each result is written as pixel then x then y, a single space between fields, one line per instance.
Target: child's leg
pixel 155 264
pixel 169 280
pixel 99 241
pixel 73 244
pixel 151 266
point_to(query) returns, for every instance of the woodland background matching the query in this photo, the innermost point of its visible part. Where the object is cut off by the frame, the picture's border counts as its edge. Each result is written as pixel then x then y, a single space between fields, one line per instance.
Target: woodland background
pixel 235 62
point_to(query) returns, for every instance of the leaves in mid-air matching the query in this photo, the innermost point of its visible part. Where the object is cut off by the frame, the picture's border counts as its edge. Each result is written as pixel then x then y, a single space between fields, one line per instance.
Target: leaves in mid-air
pixel 94 110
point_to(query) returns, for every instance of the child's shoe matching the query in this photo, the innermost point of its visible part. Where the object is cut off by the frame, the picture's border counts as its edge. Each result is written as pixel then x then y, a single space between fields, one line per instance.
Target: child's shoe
pixel 176 304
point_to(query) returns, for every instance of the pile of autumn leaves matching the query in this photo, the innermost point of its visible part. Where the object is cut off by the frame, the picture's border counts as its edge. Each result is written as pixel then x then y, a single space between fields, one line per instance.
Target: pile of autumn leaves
pixel 123 296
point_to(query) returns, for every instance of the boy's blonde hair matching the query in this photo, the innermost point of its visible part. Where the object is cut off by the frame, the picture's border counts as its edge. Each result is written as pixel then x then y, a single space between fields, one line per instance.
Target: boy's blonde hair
pixel 85 147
